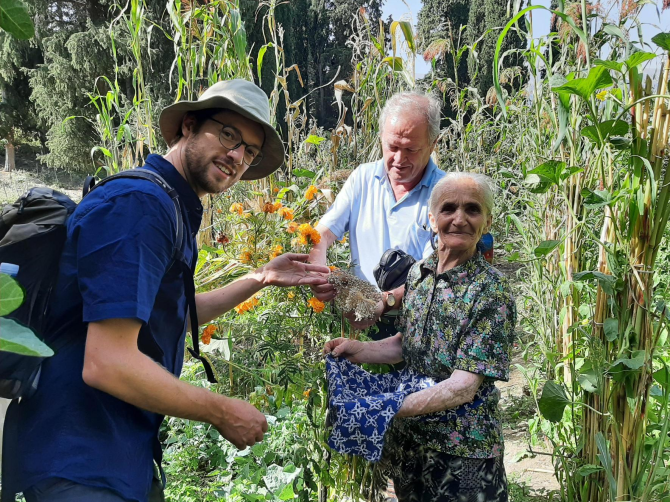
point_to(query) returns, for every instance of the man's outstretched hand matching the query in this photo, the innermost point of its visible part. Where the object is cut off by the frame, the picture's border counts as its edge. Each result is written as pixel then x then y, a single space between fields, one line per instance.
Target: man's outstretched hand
pixel 291 269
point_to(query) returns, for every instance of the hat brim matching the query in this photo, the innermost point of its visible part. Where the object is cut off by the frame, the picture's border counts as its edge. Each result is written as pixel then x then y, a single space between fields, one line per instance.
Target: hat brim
pixel 273 148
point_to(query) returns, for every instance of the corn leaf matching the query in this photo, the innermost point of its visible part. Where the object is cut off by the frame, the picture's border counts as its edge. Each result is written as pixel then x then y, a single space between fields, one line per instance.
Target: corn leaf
pixel 598 78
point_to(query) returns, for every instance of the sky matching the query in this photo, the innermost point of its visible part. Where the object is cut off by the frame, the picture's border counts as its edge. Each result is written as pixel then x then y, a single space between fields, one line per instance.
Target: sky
pixel 653 22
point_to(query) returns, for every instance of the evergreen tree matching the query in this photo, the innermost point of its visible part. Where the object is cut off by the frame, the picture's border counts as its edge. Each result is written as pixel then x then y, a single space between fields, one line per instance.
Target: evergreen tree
pixel 493 15
pixel 443 20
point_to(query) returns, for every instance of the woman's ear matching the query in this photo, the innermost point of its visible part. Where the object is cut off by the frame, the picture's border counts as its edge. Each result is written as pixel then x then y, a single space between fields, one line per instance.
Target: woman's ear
pixel 489 223
pixel 433 223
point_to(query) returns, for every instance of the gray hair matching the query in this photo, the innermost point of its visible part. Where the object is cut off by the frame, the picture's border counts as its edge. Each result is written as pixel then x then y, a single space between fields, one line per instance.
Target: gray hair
pixel 484 183
pixel 415 103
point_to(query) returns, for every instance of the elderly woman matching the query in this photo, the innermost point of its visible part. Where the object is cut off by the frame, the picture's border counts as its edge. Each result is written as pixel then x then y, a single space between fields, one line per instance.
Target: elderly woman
pixel 456 326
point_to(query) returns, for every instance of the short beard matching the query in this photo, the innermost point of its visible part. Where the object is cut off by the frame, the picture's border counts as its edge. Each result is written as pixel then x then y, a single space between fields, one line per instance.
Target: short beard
pixel 197 169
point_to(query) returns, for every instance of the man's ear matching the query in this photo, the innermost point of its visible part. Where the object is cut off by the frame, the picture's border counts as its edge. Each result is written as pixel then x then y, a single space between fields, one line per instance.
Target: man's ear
pixel 187 125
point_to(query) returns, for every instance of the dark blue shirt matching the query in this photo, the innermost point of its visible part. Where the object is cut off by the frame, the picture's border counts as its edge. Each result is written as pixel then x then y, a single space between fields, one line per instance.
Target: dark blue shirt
pixel 116 263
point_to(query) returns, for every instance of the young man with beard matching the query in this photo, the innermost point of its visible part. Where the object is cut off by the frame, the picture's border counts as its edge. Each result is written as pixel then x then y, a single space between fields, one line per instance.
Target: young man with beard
pixel 90 432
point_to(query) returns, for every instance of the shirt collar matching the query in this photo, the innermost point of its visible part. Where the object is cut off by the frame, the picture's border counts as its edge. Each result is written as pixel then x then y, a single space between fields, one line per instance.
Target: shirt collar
pixel 461 272
pixel 187 197
pixel 431 167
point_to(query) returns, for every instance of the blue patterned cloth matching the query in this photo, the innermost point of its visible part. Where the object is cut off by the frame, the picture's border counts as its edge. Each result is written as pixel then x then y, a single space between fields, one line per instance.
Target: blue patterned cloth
pixel 363 405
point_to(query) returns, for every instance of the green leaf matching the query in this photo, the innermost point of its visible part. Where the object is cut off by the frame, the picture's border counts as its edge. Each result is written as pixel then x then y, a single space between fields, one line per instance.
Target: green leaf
pixel 606 460
pixel 588 380
pixel 606 281
pixel 261 54
pixel 15 19
pixel 303 173
pixel 635 362
pixel 549 171
pixel 553 402
pixel 278 478
pixel 314 140
pixel 545 247
pixel 611 329
pixel 536 185
pixel 614 30
pixel 394 62
pixel 587 469
pixel 610 65
pixel 607 128
pixel 638 58
pixel 662 40
pixel 595 198
pixel 598 78
pixel 21 340
pixel 11 294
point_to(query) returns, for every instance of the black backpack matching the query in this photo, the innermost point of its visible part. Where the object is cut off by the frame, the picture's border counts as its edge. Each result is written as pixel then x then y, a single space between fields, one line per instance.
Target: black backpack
pixel 32 236
pixel 392 269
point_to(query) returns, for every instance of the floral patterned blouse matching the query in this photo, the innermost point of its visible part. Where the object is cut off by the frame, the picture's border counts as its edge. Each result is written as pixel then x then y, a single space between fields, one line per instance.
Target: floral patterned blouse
pixel 461 319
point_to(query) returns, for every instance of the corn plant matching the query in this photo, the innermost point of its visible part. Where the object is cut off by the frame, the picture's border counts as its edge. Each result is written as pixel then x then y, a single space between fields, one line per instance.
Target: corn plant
pixel 605 131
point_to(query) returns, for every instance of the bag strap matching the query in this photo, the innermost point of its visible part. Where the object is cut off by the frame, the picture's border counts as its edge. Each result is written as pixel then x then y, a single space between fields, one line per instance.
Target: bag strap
pixel 177 253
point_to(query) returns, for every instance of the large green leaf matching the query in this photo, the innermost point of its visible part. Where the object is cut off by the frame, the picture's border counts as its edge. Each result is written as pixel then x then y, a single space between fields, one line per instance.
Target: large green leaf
pixel 548 173
pixel 606 281
pixel 21 340
pixel 611 329
pixel 638 58
pixel 598 78
pixel 595 198
pixel 607 128
pixel 611 65
pixel 11 294
pixel 545 247
pixel 553 402
pixel 662 40
pixel 634 362
pixel 15 19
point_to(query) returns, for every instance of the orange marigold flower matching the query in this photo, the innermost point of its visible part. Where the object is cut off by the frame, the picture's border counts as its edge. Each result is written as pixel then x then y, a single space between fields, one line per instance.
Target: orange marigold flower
pixel 332 267
pixel 302 240
pixel 269 208
pixel 316 304
pixel 291 295
pixel 307 393
pixel 305 229
pixel 219 211
pixel 207 333
pixel 245 257
pixel 247 306
pixel 315 236
pixel 275 190
pixel 344 240
pixel 276 251
pixel 277 206
pixel 311 192
pixel 292 227
pixel 237 208
pixel 286 213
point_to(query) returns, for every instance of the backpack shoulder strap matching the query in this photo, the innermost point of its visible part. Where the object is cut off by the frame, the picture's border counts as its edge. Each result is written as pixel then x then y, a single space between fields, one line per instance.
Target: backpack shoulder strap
pixel 145 174
pixel 178 254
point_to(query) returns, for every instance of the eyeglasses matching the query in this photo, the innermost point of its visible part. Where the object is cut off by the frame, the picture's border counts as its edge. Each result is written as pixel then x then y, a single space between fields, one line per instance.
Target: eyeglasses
pixel 231 139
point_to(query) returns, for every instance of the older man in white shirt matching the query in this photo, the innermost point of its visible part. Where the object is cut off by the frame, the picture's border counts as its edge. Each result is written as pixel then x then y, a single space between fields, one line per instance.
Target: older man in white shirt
pixel 384 204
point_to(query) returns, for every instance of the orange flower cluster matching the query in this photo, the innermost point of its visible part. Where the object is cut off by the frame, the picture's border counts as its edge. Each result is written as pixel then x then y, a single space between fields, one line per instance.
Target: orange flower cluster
pixel 344 240
pixel 311 192
pixel 286 213
pixel 332 268
pixel 207 333
pixel 276 251
pixel 246 306
pixel 275 190
pixel 292 227
pixel 245 257
pixel 237 208
pixel 316 304
pixel 306 230
pixel 291 295
pixel 270 208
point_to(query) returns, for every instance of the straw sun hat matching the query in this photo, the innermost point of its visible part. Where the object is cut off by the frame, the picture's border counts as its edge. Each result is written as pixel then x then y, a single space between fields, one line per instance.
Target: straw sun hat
pixel 240 96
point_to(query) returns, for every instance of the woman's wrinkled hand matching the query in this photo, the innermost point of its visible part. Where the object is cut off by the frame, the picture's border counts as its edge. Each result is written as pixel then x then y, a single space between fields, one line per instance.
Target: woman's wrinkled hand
pixel 345 347
pixel 291 269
